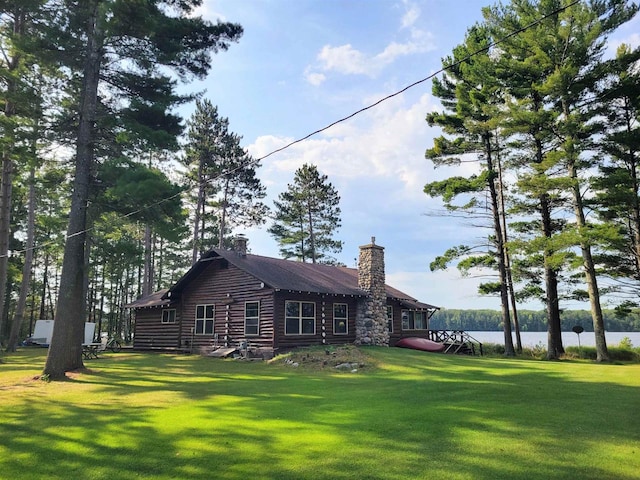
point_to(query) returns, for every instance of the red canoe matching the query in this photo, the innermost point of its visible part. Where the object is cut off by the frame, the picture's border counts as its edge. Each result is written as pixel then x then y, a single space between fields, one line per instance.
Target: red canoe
pixel 420 344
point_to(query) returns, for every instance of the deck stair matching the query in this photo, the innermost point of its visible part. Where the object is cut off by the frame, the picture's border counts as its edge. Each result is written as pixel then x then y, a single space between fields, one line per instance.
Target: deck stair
pixel 457 342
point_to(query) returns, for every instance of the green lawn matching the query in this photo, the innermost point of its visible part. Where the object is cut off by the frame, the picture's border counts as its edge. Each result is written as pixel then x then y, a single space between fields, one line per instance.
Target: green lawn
pixel 405 415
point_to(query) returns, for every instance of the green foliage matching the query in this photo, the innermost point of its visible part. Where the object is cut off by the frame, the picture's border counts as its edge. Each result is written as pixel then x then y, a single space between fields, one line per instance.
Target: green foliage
pixel 127 185
pixel 226 192
pixel 616 353
pixel 307 216
pixel 530 320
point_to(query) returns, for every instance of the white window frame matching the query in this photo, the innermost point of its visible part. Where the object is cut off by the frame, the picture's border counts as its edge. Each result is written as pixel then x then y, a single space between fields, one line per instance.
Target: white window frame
pixel 345 319
pixel 301 319
pixel 410 322
pixel 390 318
pixel 168 316
pixel 205 320
pixel 255 320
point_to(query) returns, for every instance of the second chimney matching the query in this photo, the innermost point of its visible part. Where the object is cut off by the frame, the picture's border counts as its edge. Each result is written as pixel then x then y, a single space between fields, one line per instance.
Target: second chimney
pixel 240 245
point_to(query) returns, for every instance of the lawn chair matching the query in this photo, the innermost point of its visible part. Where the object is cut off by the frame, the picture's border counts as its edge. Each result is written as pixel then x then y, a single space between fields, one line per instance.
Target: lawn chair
pixel 103 343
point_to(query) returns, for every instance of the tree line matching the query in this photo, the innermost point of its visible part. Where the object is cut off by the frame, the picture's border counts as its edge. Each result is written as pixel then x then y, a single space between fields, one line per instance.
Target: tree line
pixel 106 193
pixel 530 320
pixel 549 122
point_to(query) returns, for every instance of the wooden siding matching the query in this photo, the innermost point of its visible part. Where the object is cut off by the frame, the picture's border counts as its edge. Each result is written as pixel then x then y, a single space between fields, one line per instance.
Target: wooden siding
pixel 151 333
pixel 324 305
pixel 227 288
pixel 398 333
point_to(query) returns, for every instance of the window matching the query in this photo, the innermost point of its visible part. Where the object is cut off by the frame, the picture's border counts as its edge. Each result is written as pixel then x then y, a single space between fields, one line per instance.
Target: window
pixel 252 318
pixel 169 316
pixel 204 319
pixel 412 320
pixel 340 317
pixel 390 318
pixel 300 318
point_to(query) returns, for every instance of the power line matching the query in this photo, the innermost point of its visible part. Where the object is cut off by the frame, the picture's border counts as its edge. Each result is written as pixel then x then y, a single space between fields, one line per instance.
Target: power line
pixel 341 120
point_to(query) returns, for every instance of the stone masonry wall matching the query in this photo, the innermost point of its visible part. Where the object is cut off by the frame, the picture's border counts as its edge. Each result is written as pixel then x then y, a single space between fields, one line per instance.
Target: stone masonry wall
pixel 371 317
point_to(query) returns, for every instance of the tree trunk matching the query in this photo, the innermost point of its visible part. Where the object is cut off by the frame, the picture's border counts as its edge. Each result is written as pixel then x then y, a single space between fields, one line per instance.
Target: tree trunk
pixel 65 351
pixel 6 183
pixel 5 218
pixel 602 353
pixel 312 240
pixel 198 211
pixel 26 268
pixel 223 214
pixel 555 349
pixel 147 279
pixel 507 259
pixel 45 281
pixel 499 237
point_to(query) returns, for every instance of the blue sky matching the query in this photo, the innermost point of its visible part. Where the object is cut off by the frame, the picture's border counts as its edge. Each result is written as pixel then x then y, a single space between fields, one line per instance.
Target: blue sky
pixel 303 64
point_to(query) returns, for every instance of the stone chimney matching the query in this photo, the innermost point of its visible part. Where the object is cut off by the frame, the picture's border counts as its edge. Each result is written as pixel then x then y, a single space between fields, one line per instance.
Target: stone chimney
pixel 240 245
pixel 371 317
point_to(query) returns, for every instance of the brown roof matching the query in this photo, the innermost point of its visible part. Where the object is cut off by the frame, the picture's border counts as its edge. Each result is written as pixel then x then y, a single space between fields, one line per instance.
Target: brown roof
pixel 153 300
pixel 290 275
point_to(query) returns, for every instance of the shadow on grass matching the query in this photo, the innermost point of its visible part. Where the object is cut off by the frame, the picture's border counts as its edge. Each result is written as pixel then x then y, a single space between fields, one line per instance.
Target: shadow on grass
pixel 415 416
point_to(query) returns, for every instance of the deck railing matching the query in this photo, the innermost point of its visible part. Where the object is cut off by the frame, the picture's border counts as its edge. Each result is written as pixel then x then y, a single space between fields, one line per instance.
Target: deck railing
pixel 456 341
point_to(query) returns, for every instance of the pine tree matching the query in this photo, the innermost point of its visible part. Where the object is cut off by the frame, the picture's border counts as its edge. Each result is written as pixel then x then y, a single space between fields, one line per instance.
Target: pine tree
pixel 617 200
pixel 132 44
pixel 307 216
pixel 224 174
pixel 472 97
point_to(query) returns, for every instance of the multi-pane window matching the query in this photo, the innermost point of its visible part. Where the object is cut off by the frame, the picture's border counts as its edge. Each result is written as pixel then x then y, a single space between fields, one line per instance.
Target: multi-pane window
pixel 204 319
pixel 300 318
pixel 340 316
pixel 252 318
pixel 169 316
pixel 390 318
pixel 412 320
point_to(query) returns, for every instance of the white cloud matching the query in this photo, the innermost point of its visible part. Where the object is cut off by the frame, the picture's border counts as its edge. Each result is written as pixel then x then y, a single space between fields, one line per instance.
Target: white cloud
pixel 344 59
pixel 315 79
pixel 348 60
pixel 388 140
pixel 411 15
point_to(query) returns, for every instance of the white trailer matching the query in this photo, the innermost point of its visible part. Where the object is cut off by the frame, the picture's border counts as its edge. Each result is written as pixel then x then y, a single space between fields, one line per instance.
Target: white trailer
pixel 44 329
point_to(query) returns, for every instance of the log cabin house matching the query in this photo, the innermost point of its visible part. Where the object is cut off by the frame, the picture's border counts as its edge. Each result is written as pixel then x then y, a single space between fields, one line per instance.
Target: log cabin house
pixel 230 298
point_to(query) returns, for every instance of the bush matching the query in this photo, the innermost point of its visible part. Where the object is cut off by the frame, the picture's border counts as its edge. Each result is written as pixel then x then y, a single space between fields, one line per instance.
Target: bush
pixel 492 349
pixel 538 351
pixel 616 354
pixel 625 343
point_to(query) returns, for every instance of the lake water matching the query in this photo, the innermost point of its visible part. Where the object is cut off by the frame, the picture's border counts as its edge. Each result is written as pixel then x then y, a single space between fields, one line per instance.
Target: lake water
pixel 569 339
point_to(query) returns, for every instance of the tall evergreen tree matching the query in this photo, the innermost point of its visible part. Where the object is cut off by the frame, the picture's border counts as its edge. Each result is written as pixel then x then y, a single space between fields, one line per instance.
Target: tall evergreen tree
pixel 617 200
pixel 241 191
pixel 473 97
pixel 19 106
pixel 519 69
pixel 224 174
pixel 568 47
pixel 129 45
pixel 307 216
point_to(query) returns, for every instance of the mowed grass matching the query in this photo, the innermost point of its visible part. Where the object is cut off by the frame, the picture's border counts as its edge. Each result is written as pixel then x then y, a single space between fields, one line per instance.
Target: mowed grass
pixel 405 415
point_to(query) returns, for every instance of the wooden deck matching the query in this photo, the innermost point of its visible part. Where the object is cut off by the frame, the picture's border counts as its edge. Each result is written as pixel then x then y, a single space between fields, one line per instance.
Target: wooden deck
pixel 456 341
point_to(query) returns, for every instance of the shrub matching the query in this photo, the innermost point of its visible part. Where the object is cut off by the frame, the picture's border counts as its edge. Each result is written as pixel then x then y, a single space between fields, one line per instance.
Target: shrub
pixel 492 349
pixel 538 351
pixel 625 343
pixel 616 353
